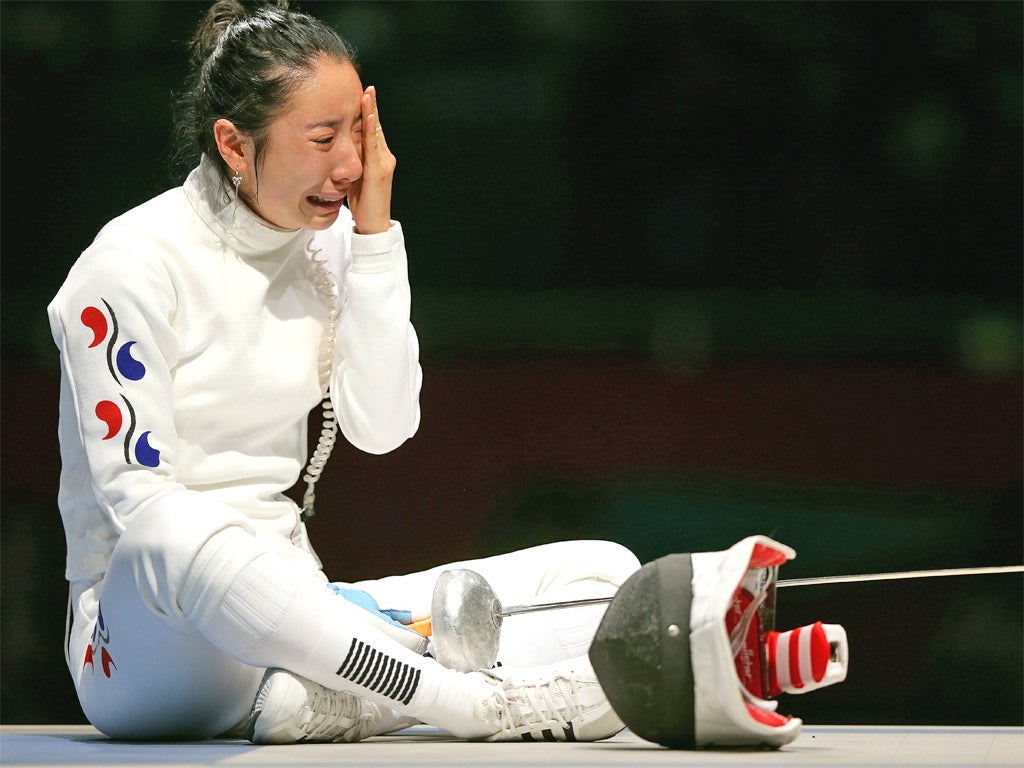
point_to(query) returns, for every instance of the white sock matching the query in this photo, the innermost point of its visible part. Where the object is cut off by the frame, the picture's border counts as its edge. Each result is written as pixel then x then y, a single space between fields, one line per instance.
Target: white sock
pixel 264 610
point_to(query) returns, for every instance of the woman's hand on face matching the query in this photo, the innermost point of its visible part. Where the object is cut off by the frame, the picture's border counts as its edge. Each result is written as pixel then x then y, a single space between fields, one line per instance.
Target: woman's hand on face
pixel 370 197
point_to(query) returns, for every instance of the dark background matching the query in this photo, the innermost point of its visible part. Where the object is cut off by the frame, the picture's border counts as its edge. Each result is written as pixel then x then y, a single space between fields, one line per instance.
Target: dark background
pixel 682 272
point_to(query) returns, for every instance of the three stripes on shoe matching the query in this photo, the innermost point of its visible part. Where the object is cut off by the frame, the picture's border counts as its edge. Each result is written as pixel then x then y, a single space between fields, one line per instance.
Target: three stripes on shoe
pixel 548 735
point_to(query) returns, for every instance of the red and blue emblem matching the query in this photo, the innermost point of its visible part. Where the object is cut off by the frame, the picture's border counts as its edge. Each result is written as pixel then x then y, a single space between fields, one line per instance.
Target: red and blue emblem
pixel 98 647
pixel 124 369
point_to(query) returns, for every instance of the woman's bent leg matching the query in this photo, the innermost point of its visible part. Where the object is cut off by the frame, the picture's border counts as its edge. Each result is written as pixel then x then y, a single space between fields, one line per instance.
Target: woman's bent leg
pixel 143 672
pixel 195 606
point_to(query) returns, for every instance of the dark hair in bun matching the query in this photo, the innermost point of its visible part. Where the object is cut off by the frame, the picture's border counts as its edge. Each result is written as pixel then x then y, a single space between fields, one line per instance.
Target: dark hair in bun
pixel 246 61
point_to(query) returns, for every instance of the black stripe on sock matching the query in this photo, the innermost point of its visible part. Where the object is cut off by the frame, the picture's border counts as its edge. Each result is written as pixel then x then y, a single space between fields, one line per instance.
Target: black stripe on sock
pixel 406 685
pixel 360 660
pixel 364 659
pixel 387 671
pixel 379 672
pixel 351 650
pixel 414 683
pixel 372 663
pixel 397 680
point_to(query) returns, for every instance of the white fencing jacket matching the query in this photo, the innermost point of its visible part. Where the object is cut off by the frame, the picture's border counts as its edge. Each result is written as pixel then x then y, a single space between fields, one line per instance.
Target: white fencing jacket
pixel 189 334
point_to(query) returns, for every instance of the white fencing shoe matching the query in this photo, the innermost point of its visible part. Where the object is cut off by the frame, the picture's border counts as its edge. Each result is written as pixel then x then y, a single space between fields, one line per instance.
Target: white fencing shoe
pixel 557 702
pixel 290 709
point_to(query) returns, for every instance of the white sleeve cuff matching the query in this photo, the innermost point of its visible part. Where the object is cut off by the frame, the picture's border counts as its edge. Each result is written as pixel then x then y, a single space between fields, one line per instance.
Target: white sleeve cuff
pixel 372 253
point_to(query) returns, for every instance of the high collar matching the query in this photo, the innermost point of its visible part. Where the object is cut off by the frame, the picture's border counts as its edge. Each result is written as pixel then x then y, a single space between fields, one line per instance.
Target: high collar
pixel 232 220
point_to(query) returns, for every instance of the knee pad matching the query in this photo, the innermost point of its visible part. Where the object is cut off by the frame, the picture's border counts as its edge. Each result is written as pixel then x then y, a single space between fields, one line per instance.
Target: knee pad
pixel 164 545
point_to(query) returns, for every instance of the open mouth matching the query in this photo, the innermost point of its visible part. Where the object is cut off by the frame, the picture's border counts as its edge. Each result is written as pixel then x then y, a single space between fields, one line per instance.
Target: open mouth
pixel 325 204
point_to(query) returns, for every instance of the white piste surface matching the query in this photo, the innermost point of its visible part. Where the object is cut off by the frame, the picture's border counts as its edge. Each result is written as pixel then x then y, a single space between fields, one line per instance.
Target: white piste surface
pixel 425 747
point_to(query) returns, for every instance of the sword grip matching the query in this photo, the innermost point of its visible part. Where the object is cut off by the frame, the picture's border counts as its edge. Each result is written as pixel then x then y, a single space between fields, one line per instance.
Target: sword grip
pixel 807 658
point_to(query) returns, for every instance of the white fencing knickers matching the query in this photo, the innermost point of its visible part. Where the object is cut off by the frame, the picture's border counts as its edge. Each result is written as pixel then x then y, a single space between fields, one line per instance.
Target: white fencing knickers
pixel 174 640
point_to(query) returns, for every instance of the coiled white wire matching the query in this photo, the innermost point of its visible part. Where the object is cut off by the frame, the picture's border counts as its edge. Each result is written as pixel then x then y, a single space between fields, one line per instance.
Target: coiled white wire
pixel 325 286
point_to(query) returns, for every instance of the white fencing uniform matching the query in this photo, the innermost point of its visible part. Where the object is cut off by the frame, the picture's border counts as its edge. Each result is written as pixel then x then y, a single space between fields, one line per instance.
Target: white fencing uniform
pixel 189 333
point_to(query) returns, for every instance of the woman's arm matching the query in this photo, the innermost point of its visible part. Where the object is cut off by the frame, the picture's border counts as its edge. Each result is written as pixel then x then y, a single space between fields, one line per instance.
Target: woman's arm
pixel 377 377
pixel 111 323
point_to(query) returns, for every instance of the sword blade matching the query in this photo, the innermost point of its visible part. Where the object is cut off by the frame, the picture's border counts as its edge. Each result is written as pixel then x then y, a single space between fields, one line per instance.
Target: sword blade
pixel 898 575
pixel 514 610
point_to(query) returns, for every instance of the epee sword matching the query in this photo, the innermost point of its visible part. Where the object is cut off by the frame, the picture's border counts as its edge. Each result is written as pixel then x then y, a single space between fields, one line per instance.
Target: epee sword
pixel 514 610
pixel 466 615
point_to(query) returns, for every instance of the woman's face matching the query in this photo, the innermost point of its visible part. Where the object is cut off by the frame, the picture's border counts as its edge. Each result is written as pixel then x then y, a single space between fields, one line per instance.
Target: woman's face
pixel 313 152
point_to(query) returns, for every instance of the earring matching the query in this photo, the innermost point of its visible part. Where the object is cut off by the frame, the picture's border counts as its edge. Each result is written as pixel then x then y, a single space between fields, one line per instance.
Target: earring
pixel 237 181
